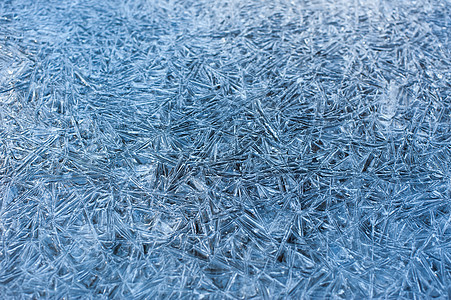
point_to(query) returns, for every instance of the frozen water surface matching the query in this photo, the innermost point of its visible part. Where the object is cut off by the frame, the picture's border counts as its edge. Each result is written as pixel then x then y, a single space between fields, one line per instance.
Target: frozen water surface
pixel 225 149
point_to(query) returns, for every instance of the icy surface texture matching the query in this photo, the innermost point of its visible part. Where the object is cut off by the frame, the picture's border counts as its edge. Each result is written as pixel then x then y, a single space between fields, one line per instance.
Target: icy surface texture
pixel 225 149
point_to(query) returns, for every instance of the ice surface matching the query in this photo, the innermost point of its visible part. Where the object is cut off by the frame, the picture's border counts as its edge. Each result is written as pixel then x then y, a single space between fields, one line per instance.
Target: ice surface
pixel 225 149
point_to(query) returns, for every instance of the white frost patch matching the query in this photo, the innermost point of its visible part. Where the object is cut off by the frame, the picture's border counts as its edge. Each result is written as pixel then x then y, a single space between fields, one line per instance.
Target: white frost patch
pixel 389 103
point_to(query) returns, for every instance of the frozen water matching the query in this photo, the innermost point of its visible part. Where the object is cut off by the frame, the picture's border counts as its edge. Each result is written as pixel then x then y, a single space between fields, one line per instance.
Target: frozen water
pixel 225 149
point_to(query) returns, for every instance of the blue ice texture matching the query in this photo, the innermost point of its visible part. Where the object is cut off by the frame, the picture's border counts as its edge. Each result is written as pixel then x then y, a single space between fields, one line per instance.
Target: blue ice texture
pixel 225 149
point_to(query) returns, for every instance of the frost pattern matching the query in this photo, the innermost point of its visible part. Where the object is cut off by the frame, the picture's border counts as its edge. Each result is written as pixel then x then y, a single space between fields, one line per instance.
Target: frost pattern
pixel 225 149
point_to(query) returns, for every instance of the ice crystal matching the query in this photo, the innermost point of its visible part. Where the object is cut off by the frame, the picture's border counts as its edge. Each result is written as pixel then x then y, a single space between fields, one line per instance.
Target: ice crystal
pixel 230 149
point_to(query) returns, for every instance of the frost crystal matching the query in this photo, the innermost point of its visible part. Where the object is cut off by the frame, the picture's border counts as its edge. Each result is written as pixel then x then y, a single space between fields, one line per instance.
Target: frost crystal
pixel 225 149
